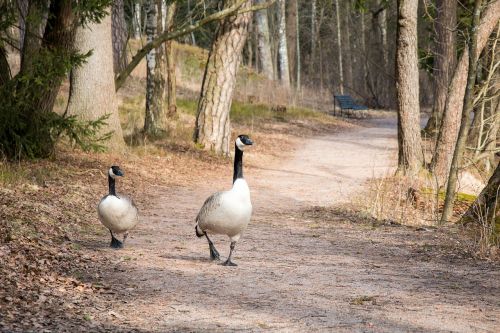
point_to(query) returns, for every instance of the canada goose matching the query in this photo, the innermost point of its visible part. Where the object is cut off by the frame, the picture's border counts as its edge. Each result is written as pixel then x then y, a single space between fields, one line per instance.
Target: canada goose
pixel 227 213
pixel 117 213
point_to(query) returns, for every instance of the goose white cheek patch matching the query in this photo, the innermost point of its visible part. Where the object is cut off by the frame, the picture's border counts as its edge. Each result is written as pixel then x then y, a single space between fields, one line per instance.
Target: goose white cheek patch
pixel 111 173
pixel 240 144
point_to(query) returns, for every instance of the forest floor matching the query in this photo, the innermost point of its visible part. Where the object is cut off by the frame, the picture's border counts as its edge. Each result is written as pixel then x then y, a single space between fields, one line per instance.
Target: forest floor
pixel 307 262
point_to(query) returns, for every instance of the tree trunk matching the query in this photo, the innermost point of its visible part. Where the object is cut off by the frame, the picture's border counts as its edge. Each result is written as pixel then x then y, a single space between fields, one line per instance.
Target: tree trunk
pixel 445 59
pixel 345 19
pixel 339 50
pixel 291 37
pixel 5 74
pixel 59 37
pixel 170 57
pixel 298 80
pixel 92 84
pixel 284 68
pixel 447 136
pixel 410 157
pixel 212 129
pixel 468 105
pixel 119 36
pixel 486 207
pixel 154 122
pixel 263 42
pixel 136 21
pixel 34 24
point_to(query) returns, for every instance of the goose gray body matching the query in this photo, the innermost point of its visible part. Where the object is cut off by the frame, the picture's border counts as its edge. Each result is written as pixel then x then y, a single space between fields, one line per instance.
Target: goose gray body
pixel 117 212
pixel 229 212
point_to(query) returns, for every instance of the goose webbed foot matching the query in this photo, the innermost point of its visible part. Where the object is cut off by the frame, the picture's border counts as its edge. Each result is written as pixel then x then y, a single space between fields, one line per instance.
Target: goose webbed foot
pixel 214 254
pixel 228 262
pixel 115 243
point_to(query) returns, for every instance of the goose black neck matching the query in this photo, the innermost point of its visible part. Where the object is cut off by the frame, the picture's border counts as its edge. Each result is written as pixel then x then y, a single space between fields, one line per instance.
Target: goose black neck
pixel 111 183
pixel 238 163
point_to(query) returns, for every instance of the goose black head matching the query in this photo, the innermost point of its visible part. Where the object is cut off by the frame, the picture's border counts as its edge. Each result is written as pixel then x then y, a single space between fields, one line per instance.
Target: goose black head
pixel 115 171
pixel 242 141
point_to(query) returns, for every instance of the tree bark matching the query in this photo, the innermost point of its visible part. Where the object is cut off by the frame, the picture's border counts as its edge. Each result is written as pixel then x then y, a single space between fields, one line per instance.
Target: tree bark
pixel 345 19
pixel 339 54
pixel 468 105
pixel 298 80
pixel 291 36
pixel 5 73
pixel 170 57
pixel 410 157
pixel 486 207
pixel 92 84
pixel 445 60
pixel 212 129
pixel 136 21
pixel 34 24
pixel 59 37
pixel 154 122
pixel 119 35
pixel 284 68
pixel 263 42
pixel 447 136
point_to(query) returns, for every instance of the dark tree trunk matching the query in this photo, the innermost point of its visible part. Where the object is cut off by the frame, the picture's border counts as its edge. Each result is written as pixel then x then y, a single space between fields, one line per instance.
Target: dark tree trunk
pixel 445 59
pixel 120 35
pixel 170 59
pixel 59 37
pixel 34 23
pixel 487 205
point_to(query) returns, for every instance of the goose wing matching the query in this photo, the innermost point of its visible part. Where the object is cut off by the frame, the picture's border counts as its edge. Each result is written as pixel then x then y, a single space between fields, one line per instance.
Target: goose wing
pixel 209 207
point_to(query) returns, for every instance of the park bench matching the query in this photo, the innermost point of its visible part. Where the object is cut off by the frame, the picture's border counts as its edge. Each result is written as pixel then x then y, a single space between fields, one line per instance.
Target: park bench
pixel 346 103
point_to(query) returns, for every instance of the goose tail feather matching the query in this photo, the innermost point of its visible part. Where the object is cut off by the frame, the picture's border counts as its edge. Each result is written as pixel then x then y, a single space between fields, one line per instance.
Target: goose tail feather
pixel 199 233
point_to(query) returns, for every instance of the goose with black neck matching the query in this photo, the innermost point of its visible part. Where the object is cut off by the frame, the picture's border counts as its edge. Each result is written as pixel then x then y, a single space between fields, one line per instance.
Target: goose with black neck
pixel 116 212
pixel 228 212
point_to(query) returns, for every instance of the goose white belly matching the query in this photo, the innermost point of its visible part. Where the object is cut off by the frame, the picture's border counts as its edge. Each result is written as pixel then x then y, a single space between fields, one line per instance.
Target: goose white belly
pixel 118 214
pixel 230 213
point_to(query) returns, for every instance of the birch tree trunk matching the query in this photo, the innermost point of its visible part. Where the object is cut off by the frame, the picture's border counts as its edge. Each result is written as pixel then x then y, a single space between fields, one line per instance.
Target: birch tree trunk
pixel 119 35
pixel 445 59
pixel 284 68
pixel 410 157
pixel 136 21
pixel 212 128
pixel 264 43
pixel 154 122
pixel 93 84
pixel 448 133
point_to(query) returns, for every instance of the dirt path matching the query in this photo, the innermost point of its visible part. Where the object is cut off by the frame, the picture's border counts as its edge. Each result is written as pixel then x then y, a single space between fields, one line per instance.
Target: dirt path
pixel 298 272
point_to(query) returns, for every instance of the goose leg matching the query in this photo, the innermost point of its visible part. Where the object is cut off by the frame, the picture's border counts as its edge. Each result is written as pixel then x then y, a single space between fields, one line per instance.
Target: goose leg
pixel 214 254
pixel 125 237
pixel 115 243
pixel 228 262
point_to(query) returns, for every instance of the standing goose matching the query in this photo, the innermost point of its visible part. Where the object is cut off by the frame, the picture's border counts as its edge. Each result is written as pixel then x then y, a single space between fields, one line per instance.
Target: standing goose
pixel 118 213
pixel 227 213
